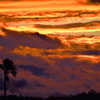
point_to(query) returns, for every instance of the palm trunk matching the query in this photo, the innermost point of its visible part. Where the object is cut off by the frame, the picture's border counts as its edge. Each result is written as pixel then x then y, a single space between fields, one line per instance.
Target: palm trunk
pixel 4 83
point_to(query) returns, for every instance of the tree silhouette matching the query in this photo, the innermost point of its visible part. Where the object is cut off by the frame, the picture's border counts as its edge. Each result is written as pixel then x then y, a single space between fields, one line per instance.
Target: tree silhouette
pixel 8 67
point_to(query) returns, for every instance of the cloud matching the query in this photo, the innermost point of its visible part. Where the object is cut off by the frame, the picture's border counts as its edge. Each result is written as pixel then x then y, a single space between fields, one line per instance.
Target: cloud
pixel 37 71
pixel 14 39
pixel 67 77
pixel 68 26
pixel 94 1
pixel 70 68
pixel 73 78
pixel 89 1
pixel 23 0
pixel 33 17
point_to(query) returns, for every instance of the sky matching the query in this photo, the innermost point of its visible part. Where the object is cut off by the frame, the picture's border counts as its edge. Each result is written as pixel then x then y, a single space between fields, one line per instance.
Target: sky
pixel 54 44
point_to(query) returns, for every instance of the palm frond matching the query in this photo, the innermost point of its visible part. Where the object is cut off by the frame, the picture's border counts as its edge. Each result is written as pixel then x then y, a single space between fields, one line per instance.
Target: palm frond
pixel 1 67
pixel 9 65
pixel 13 72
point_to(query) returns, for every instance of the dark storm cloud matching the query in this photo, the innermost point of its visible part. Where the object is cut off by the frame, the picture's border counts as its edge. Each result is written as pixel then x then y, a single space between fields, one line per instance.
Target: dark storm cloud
pixel 20 83
pixel 67 76
pixel 37 76
pixel 27 60
pixel 91 52
pixel 35 70
pixel 35 40
pixel 72 63
pixel 77 78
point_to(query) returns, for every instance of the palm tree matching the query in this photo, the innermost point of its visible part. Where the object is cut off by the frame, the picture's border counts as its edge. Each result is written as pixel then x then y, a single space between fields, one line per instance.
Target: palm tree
pixel 8 67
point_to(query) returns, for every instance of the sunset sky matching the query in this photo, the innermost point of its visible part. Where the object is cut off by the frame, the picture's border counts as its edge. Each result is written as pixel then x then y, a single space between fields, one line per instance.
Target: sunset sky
pixel 55 45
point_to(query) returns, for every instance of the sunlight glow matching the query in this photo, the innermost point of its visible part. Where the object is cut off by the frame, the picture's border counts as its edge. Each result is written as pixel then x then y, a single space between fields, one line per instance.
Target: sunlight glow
pixel 89 58
pixel 2 34
pixel 88 40
pixel 1 47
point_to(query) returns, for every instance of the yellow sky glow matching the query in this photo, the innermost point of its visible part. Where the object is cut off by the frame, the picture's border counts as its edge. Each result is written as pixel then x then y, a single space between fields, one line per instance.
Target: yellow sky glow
pixel 44 6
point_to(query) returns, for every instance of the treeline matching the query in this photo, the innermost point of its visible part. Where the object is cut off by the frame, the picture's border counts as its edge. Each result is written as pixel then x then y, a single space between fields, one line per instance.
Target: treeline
pixel 92 95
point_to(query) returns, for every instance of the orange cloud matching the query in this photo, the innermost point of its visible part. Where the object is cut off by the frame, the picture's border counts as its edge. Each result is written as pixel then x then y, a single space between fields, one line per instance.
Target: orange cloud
pixel 91 40
pixel 89 58
pixel 45 5
pixel 24 51
pixel 1 47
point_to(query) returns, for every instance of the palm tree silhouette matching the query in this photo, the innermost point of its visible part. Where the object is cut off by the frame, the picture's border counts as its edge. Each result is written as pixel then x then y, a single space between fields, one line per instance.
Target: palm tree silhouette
pixel 8 67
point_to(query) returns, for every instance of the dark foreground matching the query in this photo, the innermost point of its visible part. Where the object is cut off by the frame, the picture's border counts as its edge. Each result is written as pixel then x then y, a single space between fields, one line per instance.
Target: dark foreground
pixel 92 95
